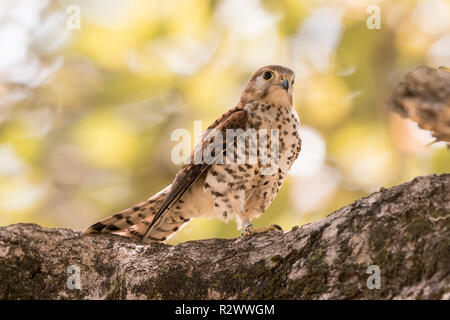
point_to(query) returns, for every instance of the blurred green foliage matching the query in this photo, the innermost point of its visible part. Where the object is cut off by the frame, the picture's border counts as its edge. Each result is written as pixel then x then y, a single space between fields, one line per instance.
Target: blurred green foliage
pixel 86 133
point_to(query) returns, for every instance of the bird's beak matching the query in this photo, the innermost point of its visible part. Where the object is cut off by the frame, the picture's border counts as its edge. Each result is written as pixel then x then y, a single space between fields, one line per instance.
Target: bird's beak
pixel 285 84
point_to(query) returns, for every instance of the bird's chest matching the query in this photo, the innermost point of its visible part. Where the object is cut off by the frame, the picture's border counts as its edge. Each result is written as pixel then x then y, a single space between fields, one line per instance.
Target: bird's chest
pixel 273 136
pixel 282 127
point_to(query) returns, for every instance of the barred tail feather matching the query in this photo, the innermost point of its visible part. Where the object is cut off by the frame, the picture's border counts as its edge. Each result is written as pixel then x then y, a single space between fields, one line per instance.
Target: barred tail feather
pixel 132 222
pixel 165 228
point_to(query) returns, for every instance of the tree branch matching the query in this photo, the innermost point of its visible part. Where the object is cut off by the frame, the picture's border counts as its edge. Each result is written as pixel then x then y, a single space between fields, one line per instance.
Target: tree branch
pixel 424 97
pixel 403 230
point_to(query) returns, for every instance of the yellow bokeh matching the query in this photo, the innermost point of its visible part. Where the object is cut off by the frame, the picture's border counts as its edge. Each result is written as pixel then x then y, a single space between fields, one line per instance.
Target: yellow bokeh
pixel 107 140
pixel 19 196
pixel 363 151
pixel 324 100
pixel 25 144
pixel 86 115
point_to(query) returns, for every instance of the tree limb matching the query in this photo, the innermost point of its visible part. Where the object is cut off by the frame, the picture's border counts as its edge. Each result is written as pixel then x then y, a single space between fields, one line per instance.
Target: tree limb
pixel 424 97
pixel 403 230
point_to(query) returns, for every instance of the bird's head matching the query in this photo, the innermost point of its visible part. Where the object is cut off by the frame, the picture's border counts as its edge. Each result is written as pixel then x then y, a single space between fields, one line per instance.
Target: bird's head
pixel 272 84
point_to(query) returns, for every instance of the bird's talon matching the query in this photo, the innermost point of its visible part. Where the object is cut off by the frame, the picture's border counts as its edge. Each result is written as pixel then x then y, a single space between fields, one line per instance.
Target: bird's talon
pixel 248 230
pixel 277 227
pixel 251 230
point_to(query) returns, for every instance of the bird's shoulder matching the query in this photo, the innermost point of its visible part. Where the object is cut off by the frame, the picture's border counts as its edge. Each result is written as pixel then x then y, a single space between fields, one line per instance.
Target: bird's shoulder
pixel 234 118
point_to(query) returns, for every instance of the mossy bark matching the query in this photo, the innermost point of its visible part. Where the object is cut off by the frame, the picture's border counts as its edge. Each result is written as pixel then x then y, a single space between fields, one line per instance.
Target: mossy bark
pixel 403 230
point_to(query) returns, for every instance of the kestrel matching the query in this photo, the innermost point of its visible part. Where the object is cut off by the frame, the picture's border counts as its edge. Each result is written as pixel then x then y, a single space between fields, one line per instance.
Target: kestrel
pixel 233 187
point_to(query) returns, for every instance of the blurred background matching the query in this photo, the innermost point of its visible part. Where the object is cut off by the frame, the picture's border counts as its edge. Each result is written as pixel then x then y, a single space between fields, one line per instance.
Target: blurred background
pixel 87 107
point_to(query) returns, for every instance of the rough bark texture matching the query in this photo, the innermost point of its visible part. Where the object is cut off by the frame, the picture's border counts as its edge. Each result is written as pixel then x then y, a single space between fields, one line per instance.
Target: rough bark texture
pixel 424 97
pixel 403 230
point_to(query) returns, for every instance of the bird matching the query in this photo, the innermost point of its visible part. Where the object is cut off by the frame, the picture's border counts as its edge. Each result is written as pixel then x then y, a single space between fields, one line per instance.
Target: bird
pixel 234 188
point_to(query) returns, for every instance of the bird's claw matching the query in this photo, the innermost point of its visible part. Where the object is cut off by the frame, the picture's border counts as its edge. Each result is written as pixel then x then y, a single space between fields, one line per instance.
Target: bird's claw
pixel 251 230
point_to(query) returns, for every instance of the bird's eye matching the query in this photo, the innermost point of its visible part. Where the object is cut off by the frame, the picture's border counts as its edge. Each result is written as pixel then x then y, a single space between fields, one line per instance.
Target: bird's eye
pixel 267 75
pixel 292 82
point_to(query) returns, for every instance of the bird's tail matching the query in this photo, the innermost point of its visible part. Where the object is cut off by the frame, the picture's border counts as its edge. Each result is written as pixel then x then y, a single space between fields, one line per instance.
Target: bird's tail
pixel 134 222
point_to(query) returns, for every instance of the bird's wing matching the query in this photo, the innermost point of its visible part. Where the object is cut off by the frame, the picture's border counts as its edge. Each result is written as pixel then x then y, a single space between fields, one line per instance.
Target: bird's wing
pixel 235 118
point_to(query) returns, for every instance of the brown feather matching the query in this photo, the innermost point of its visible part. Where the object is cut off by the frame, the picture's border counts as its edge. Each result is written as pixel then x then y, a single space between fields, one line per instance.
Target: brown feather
pixel 235 118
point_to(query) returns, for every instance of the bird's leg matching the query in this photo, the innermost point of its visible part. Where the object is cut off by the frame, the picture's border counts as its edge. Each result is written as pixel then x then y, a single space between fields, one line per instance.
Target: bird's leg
pixel 248 229
pixel 246 224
